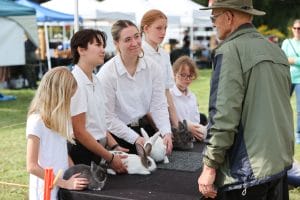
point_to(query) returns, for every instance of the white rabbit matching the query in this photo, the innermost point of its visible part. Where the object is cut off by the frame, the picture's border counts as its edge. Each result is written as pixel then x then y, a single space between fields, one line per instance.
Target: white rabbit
pixel 159 149
pixel 137 164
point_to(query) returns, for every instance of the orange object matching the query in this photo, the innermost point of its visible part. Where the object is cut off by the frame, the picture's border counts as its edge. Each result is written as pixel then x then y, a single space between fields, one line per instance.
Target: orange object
pixel 48 182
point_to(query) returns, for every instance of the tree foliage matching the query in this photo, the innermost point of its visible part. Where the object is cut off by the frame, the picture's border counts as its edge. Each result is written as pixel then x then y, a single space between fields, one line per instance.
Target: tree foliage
pixel 280 13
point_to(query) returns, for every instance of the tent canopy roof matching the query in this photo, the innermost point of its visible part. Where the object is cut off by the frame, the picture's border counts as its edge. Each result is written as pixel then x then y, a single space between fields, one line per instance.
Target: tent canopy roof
pixel 46 15
pixel 10 8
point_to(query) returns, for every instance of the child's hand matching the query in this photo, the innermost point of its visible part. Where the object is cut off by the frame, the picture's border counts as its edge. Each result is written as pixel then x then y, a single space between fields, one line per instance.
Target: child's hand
pixel 76 183
pixel 118 165
pixel 197 130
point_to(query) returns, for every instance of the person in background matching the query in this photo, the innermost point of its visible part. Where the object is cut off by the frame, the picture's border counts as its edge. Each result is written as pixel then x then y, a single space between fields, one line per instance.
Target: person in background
pixel 250 140
pixel 291 47
pixel 48 127
pixel 133 86
pixel 31 63
pixel 87 105
pixel 153 27
pixel 185 101
pixel 186 44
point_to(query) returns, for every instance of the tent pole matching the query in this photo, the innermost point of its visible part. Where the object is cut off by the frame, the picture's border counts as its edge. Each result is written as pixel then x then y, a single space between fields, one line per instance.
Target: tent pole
pixel 192 41
pixel 64 35
pixel 76 23
pixel 47 46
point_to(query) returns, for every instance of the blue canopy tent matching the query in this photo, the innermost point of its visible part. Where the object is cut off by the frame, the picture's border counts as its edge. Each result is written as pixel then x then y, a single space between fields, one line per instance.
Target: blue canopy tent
pixel 9 8
pixel 47 16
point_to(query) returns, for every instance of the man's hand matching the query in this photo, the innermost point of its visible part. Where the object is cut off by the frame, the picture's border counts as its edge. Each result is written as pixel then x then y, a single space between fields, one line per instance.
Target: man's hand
pixel 206 182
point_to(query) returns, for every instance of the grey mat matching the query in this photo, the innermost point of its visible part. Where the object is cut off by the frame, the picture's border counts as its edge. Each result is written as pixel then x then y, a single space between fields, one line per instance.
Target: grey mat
pixel 183 161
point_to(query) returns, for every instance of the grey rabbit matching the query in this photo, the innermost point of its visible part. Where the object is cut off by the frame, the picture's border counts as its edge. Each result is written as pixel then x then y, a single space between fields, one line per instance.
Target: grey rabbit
pixel 182 137
pixel 95 174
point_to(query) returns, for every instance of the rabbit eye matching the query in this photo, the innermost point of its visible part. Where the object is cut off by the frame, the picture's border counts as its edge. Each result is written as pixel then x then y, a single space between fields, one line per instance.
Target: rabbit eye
pixel 149 162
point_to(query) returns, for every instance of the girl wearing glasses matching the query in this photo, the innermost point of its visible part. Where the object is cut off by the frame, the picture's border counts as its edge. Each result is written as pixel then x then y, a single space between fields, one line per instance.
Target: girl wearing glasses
pixel 185 101
pixel 291 47
pixel 153 27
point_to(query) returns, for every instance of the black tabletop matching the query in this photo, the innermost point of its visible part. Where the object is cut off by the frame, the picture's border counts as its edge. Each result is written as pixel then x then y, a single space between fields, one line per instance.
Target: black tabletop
pixel 162 184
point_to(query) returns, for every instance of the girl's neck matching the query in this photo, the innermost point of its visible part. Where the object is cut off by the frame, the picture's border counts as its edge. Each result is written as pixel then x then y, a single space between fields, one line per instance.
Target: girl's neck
pixel 87 69
pixel 297 38
pixel 152 44
pixel 182 89
pixel 130 63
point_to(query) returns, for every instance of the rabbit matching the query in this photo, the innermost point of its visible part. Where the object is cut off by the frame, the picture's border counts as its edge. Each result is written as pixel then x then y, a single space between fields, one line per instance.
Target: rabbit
pixel 183 138
pixel 159 149
pixel 96 174
pixel 137 164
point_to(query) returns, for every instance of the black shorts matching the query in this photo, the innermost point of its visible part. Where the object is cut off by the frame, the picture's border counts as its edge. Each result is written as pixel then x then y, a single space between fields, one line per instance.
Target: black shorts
pixel 274 190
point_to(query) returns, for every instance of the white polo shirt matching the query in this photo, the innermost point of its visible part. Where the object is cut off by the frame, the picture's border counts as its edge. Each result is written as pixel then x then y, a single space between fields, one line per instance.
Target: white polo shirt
pixel 52 153
pixel 162 58
pixel 186 105
pixel 89 99
pixel 131 97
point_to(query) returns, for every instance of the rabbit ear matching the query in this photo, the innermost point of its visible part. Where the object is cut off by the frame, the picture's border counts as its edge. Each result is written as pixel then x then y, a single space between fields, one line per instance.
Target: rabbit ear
pixel 145 134
pixel 154 137
pixel 148 148
pixel 141 152
pixel 93 166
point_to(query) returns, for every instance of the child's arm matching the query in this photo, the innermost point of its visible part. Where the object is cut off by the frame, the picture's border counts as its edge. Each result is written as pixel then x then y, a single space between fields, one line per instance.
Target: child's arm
pixel 33 143
pixel 171 108
pixel 112 143
pixel 70 161
pixel 87 140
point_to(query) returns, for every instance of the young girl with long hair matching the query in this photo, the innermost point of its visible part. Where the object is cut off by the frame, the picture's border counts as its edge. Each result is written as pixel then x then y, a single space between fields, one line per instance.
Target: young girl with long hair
pixel 48 129
pixel 153 28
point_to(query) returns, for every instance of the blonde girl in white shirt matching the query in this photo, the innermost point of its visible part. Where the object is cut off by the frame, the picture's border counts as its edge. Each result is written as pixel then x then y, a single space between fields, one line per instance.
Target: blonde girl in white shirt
pixel 48 128
pixel 133 87
pixel 153 27
pixel 185 100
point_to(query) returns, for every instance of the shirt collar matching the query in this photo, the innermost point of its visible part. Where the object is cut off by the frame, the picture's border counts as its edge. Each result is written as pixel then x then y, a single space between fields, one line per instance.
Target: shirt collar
pixel 83 76
pixel 147 47
pixel 178 93
pixel 121 69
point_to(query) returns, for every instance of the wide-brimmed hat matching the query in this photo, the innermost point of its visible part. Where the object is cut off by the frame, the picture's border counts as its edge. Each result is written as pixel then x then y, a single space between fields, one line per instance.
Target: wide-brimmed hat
pixel 245 6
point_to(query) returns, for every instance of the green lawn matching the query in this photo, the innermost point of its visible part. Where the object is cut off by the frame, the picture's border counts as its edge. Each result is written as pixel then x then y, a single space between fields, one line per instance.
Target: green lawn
pixel 13 142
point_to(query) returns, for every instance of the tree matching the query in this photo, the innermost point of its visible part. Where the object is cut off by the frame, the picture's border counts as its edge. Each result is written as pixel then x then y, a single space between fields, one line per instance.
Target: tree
pixel 280 13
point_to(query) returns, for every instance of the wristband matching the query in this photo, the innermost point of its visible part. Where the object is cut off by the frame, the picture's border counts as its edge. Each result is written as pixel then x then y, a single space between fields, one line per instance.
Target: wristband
pixel 114 146
pixel 112 158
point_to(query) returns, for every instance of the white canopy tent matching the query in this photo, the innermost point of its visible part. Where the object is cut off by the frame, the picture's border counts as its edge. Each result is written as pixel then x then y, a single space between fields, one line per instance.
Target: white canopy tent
pixel 88 10
pixel 181 13
pixel 13 30
pixel 12 45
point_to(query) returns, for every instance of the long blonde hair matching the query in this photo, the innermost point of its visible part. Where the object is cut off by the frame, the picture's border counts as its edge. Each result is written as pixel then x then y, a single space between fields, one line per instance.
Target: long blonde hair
pixel 52 101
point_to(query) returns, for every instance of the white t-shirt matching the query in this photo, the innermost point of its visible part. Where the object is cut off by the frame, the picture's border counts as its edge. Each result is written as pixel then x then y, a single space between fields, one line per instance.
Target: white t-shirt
pixel 131 97
pixel 186 105
pixel 162 58
pixel 89 99
pixel 52 153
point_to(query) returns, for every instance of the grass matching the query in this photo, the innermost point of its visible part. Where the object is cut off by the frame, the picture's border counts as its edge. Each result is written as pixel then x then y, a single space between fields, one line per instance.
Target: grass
pixel 13 141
